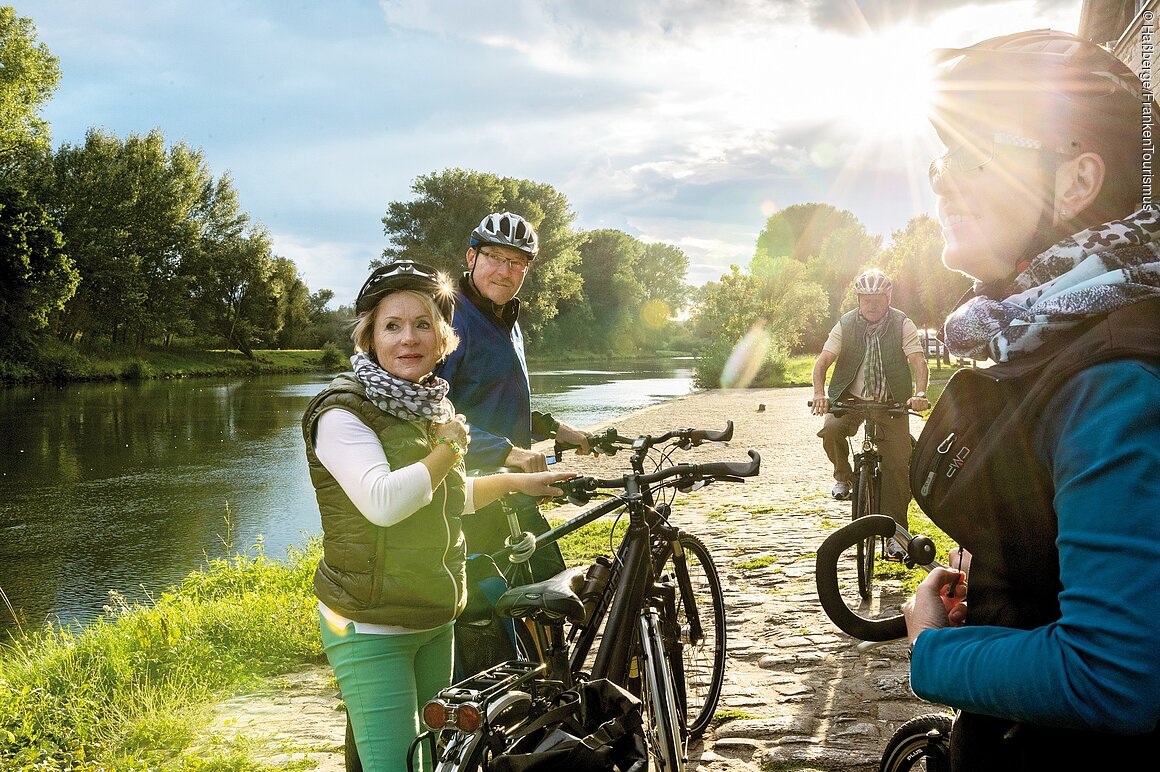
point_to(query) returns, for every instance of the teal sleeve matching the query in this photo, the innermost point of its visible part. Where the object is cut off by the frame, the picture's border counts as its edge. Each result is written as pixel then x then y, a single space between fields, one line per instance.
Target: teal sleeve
pixel 1098 666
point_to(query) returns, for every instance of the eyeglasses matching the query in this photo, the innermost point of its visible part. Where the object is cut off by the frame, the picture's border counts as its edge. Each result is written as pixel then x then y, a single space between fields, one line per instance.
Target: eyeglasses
pixel 513 265
pixel 972 156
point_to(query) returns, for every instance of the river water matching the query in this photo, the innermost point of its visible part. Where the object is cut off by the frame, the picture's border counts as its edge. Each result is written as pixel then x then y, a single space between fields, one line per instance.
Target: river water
pixel 130 486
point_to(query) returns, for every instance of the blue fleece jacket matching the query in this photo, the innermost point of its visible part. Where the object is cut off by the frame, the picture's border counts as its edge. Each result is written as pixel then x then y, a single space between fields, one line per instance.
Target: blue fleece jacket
pixel 489 378
pixel 1098 666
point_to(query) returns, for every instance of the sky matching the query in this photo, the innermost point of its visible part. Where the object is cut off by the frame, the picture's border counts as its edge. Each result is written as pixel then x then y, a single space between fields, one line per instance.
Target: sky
pixel 686 122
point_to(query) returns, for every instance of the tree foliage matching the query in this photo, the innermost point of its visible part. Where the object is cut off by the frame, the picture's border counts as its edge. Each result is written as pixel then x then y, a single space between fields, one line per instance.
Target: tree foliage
pixel 757 317
pixel 435 227
pixel 29 75
pixel 37 278
pixel 923 287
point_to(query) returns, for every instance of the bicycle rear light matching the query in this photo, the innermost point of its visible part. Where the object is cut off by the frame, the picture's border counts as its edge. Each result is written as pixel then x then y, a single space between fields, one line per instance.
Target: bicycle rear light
pixel 439 715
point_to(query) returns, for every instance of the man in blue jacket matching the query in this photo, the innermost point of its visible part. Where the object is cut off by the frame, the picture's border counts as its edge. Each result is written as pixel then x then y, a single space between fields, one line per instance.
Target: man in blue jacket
pixel 489 378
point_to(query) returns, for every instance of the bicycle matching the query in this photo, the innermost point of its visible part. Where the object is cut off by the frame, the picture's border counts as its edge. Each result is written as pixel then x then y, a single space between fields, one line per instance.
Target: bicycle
pixel 866 498
pixel 654 613
pixel 923 742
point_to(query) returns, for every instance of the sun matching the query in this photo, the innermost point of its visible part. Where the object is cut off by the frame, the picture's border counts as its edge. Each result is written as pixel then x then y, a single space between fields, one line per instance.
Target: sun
pixel 891 84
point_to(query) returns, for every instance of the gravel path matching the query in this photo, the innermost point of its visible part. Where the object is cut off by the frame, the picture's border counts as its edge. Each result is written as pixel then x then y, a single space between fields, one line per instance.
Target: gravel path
pixel 805 697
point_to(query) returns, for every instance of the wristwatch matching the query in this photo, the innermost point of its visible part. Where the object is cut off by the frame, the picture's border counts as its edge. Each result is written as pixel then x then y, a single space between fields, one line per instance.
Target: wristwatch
pixel 920 394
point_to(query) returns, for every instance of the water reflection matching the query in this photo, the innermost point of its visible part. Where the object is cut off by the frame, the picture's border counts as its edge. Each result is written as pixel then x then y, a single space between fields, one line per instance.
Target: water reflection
pixel 132 486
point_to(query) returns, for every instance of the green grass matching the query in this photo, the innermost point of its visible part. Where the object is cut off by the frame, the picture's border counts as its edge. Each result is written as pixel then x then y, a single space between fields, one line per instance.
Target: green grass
pixel 128 691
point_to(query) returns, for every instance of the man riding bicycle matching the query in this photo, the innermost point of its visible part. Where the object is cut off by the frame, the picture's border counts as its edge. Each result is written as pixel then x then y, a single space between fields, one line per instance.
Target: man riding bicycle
pixel 873 348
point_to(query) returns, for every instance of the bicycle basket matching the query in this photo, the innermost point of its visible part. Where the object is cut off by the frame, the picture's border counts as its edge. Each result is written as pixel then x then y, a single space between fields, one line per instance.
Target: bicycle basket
pixel 595 727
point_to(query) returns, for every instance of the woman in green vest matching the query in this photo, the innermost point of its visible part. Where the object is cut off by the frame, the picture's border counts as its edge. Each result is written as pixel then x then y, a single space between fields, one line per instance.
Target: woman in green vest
pixel 385 449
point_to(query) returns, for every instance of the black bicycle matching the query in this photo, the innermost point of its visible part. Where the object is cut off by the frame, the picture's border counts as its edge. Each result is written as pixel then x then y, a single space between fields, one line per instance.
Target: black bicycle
pixel 653 614
pixel 923 742
pixel 866 498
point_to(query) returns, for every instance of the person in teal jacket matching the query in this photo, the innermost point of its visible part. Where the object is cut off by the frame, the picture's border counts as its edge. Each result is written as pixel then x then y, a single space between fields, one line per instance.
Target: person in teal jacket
pixel 1053 659
pixel 385 449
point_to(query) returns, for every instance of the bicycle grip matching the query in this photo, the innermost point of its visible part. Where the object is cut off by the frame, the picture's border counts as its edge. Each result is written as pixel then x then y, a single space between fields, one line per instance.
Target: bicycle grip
pixel 826 576
pixel 709 435
pixel 732 468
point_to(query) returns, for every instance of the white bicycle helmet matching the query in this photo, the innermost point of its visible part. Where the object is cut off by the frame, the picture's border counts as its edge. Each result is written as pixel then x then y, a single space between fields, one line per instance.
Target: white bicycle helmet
pixel 872 282
pixel 507 230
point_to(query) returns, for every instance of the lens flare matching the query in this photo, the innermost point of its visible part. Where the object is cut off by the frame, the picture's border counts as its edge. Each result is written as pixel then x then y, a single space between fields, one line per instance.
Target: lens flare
pixel 746 359
pixel 655 313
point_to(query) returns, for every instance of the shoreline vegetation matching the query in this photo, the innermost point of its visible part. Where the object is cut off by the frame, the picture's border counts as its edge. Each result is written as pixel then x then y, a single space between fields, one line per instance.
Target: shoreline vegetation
pixel 130 690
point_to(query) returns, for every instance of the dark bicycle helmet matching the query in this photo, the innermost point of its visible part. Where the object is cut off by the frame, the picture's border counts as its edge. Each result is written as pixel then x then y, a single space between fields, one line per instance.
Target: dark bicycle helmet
pixel 507 230
pixel 872 282
pixel 1055 87
pixel 406 275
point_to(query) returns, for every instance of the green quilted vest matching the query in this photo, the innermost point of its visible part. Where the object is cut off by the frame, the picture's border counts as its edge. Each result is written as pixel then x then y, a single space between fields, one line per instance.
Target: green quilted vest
pixel 898 378
pixel 410 574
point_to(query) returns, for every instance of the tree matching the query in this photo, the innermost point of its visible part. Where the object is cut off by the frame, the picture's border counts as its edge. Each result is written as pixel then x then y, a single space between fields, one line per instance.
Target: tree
pixel 37 278
pixel 435 227
pixel 767 309
pixel 127 210
pixel 29 75
pixel 923 287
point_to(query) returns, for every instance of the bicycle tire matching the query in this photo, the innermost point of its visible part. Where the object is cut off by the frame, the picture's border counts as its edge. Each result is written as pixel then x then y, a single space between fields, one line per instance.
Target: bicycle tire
pixel 922 743
pixel 660 700
pixel 700 674
pixel 864 504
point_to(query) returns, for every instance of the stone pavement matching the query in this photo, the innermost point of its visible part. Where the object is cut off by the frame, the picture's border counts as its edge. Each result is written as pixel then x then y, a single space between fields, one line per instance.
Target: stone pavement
pixel 803 696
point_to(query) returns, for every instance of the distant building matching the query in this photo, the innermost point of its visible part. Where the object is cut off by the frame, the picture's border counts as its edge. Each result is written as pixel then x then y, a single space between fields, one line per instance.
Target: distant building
pixel 1128 28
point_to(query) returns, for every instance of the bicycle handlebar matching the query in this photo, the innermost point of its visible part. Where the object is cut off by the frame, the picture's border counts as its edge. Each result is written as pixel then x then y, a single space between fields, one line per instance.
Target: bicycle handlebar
pixel 826 576
pixel 920 551
pixel 841 407
pixel 578 490
pixel 609 441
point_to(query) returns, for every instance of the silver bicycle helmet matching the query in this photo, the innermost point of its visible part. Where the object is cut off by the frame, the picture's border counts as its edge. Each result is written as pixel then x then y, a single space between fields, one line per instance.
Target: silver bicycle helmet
pixel 406 275
pixel 872 282
pixel 507 230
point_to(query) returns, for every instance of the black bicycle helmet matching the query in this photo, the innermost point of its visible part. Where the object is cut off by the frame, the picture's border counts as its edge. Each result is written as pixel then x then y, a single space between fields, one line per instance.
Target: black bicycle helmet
pixel 508 230
pixel 406 275
pixel 1054 87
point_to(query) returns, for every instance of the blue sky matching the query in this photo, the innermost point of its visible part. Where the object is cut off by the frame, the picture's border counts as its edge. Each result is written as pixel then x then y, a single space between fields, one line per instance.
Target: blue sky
pixel 687 122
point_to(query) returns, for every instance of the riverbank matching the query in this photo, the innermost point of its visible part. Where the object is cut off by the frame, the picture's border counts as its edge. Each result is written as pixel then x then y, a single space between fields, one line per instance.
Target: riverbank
pixel 798 694
pixel 64 364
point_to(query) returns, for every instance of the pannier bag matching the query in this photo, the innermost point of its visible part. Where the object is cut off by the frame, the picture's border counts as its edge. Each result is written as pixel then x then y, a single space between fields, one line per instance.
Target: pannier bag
pixel 595 727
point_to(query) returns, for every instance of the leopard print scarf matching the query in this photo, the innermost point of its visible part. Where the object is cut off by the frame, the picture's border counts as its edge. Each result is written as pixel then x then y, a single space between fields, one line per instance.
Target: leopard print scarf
pixel 402 398
pixel 1084 276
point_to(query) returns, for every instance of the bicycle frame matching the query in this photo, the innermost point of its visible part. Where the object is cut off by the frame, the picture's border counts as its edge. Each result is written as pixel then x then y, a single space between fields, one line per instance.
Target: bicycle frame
pixel 632 602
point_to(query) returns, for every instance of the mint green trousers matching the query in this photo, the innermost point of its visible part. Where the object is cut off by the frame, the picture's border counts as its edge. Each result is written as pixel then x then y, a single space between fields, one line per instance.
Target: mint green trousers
pixel 385 681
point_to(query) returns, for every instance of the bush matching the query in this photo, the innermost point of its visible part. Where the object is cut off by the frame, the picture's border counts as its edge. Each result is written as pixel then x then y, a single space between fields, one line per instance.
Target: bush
pixel 332 359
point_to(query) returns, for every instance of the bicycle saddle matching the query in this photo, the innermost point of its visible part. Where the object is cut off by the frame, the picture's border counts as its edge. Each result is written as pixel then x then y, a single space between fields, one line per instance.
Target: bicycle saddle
pixel 551 600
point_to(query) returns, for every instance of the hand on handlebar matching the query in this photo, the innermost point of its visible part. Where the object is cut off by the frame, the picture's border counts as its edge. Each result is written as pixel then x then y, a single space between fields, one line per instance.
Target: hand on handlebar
pixel 819 405
pixel 930 608
pixel 918 403
pixel 572 436
pixel 527 460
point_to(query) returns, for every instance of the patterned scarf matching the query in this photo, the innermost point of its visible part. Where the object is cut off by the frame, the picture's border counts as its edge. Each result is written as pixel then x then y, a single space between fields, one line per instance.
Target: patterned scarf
pixel 875 375
pixel 402 398
pixel 1084 276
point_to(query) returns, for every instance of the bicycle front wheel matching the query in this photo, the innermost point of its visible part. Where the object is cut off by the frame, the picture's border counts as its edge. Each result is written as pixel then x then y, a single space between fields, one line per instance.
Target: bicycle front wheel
pixel 865 503
pixel 660 700
pixel 700 616
pixel 922 743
